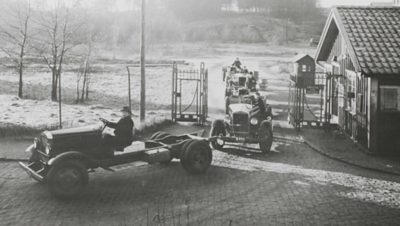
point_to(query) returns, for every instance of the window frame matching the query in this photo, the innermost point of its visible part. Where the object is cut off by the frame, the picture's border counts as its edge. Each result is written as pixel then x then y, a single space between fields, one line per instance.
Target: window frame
pixel 382 101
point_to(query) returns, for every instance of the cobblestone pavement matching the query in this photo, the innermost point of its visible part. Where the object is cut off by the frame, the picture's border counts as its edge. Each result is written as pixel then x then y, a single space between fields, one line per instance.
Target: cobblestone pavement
pixel 293 185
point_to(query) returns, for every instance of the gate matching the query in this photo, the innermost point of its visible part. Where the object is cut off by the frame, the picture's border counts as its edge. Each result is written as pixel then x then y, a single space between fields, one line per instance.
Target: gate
pixel 306 103
pixel 189 94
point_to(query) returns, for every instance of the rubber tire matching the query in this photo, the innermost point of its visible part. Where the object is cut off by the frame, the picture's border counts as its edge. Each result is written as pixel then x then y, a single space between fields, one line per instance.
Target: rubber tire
pixel 218 127
pixel 265 131
pixel 184 147
pixel 62 191
pixel 190 157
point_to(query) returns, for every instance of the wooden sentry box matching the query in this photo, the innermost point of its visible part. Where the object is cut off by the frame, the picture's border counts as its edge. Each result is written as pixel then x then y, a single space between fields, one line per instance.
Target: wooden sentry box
pixel 304 71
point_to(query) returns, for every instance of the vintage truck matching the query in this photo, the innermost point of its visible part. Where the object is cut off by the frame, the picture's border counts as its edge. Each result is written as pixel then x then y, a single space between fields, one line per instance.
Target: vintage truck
pixel 62 159
pixel 244 123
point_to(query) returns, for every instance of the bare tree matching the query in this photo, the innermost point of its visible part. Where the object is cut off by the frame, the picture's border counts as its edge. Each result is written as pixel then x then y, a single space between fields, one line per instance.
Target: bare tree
pixel 84 75
pixel 15 34
pixel 59 29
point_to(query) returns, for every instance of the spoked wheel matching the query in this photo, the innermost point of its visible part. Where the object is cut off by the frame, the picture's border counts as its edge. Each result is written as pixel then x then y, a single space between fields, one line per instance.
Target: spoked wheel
pixel 67 179
pixel 196 157
pixel 266 135
pixel 218 129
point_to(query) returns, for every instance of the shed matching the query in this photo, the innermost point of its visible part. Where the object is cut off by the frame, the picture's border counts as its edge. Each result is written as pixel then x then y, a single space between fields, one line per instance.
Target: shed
pixel 304 70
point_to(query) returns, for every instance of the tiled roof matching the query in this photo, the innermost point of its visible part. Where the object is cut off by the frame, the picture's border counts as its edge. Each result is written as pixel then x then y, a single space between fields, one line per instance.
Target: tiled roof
pixel 374 34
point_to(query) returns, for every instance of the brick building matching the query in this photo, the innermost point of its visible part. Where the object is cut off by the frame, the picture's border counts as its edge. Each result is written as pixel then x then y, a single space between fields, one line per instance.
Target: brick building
pixel 360 51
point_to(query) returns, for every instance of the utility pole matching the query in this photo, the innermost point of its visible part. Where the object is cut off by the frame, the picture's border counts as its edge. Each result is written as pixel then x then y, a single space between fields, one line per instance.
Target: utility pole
pixel 129 88
pixel 59 99
pixel 143 64
pixel 287 30
pixel 286 26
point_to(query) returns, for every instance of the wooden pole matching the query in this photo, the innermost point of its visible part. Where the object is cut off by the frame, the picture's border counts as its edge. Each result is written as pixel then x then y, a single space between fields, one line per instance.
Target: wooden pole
pixel 59 99
pixel 129 88
pixel 142 64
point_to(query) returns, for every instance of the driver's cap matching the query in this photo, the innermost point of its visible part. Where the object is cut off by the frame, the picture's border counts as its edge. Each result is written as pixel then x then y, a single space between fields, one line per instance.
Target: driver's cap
pixel 126 109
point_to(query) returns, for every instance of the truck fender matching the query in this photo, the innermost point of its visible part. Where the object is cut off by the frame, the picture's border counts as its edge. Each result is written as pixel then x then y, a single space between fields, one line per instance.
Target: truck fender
pixel 73 155
pixel 266 124
pixel 218 122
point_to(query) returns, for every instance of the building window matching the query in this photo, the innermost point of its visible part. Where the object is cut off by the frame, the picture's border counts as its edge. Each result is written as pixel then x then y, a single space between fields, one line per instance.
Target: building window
pixel 304 68
pixel 390 98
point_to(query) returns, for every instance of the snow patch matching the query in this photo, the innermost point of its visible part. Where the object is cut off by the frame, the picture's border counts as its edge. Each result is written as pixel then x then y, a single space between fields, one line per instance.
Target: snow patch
pixel 44 113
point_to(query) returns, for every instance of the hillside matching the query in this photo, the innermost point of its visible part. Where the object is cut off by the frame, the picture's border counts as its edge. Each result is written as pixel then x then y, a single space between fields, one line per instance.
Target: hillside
pixel 252 28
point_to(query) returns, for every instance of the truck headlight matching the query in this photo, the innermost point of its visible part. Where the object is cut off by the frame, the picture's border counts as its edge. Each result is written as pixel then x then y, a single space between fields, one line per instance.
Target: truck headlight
pixel 254 121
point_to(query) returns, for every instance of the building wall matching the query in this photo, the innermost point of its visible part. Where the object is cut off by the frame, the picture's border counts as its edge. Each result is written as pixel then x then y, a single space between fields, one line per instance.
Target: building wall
pixel 388 135
pixel 373 114
pixel 349 92
pixel 362 105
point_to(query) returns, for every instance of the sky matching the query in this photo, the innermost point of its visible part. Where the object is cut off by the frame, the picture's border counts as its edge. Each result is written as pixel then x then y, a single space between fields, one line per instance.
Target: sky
pixel 121 5
pixel 330 3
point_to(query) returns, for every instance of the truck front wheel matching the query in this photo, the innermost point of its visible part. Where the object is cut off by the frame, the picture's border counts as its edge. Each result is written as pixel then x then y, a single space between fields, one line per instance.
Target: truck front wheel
pixel 218 129
pixel 266 137
pixel 68 178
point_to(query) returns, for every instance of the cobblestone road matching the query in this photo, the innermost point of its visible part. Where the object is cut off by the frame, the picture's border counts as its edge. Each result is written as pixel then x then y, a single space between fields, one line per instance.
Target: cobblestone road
pixel 290 186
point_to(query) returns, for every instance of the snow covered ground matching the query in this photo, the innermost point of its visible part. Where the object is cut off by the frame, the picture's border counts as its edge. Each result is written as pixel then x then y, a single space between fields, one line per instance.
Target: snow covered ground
pixel 109 89
pixel 44 113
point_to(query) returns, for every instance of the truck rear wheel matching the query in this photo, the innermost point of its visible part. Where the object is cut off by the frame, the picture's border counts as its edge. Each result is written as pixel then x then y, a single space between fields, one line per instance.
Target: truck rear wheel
pixel 196 157
pixel 67 179
pixel 218 129
pixel 265 134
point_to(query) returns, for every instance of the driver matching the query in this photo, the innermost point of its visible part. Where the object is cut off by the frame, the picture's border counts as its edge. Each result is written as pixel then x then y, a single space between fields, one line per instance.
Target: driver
pixel 251 81
pixel 259 107
pixel 123 130
pixel 237 64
